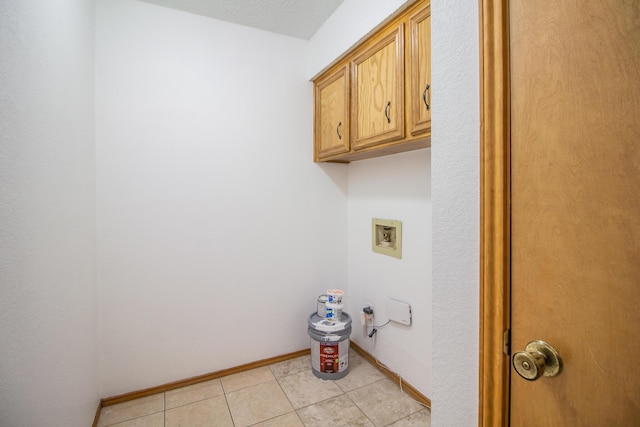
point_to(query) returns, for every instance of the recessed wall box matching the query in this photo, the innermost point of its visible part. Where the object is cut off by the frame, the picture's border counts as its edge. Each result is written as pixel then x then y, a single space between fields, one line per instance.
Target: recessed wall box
pixel 399 311
pixel 386 237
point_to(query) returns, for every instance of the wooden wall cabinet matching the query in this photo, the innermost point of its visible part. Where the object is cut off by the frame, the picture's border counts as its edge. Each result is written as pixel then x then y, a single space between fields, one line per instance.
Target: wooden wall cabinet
pixel 378 92
pixel 420 63
pixel 376 98
pixel 331 127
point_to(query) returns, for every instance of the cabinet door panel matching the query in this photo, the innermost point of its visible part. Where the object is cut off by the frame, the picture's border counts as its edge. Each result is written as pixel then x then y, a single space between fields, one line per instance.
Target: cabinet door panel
pixel 378 92
pixel 420 60
pixel 332 115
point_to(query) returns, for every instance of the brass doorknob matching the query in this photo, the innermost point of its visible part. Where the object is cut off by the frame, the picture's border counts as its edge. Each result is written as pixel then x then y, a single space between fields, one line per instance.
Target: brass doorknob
pixel 538 359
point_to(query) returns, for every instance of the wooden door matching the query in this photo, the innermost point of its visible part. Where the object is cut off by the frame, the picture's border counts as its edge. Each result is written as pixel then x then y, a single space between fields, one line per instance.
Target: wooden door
pixel 575 218
pixel 332 115
pixel 378 91
pixel 420 63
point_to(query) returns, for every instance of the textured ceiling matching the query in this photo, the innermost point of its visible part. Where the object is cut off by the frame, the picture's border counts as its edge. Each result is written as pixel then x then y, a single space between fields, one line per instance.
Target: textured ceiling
pixel 296 18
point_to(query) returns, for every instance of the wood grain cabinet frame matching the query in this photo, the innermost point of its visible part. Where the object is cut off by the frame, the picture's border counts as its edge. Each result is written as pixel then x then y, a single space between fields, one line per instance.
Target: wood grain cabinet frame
pixel 385 81
pixel 378 91
pixel 331 124
pixel 420 71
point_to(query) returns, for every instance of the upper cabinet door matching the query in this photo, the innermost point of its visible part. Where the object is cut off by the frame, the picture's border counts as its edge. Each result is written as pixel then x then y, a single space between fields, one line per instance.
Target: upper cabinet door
pixel 332 115
pixel 378 92
pixel 375 99
pixel 420 60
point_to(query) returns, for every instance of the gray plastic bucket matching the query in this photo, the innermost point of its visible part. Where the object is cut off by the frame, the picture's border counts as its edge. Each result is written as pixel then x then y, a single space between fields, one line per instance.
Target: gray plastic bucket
pixel 329 346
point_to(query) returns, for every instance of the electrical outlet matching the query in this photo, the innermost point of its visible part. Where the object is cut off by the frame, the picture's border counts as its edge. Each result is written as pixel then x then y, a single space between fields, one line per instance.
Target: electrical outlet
pixel 367 311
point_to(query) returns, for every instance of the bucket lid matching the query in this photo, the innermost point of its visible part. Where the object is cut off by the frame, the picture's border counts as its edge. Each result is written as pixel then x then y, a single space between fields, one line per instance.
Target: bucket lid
pixel 322 324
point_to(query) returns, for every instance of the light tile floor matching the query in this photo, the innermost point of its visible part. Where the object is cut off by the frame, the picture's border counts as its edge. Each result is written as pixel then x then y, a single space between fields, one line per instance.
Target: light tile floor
pixel 284 394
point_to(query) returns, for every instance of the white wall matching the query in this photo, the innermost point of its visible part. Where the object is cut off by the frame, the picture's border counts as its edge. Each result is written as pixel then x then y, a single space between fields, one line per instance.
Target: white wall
pixel 391 187
pixel 352 20
pixel 48 310
pixel 216 231
pixel 184 224
pixel 455 187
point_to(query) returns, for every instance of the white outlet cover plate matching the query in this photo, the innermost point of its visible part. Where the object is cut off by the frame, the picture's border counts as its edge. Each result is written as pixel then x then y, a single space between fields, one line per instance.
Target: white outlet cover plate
pixel 398 311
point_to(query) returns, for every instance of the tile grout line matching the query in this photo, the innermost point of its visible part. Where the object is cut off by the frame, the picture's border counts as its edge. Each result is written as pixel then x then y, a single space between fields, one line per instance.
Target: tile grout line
pixel 343 393
pixel 295 411
pixel 133 418
pixel 248 386
pixel 198 400
pixel 224 393
pixel 420 408
pixel 357 406
pixel 279 380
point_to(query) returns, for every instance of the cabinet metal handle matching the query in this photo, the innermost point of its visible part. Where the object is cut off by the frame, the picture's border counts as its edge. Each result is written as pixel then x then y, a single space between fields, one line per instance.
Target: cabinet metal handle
pixel 424 96
pixel 386 111
pixel 338 130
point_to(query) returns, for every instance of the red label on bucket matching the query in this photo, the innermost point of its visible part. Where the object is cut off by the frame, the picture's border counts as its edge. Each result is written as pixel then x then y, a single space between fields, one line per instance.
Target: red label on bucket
pixel 329 357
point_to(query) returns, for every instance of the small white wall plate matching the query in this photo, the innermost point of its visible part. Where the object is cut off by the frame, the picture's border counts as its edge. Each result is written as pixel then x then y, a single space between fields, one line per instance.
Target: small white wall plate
pixel 398 311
